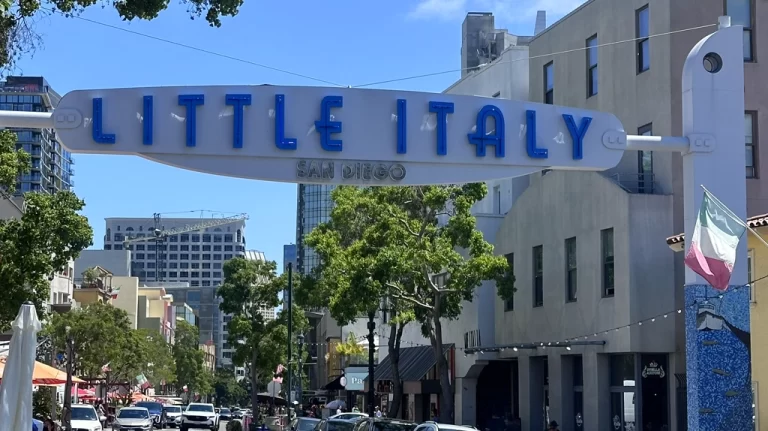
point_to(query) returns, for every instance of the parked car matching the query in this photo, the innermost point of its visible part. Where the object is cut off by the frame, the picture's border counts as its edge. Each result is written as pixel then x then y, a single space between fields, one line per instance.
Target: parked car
pixel 349 415
pixel 303 424
pixel 331 424
pixel 384 424
pixel 435 426
pixel 172 415
pixel 133 418
pixel 156 411
pixel 199 415
pixel 85 417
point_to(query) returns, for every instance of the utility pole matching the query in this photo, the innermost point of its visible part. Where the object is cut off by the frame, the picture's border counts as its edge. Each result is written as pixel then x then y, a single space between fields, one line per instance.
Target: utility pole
pixel 290 334
pixel 68 386
pixel 371 347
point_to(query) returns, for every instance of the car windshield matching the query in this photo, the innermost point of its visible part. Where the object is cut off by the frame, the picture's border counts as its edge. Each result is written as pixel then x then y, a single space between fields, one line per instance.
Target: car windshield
pixel 393 426
pixel 199 408
pixel 172 409
pixel 155 408
pixel 306 424
pixel 132 414
pixel 340 426
pixel 84 414
pixel 225 411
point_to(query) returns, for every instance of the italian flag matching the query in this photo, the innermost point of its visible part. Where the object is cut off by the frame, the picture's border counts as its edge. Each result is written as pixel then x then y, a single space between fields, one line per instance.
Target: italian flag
pixel 712 251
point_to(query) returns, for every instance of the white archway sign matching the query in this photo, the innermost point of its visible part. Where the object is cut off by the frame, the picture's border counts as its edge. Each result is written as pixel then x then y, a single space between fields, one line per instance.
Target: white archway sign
pixel 383 137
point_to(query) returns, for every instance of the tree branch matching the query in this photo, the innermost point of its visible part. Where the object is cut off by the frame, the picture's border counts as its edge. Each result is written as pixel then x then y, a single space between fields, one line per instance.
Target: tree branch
pixel 403 222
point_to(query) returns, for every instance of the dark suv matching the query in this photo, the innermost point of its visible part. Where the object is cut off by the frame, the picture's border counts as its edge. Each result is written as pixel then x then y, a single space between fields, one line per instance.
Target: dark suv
pixel 156 412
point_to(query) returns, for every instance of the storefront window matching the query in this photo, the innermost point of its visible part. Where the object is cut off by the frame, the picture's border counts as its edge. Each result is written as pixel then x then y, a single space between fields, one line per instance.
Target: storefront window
pixel 655 392
pixel 578 392
pixel 623 393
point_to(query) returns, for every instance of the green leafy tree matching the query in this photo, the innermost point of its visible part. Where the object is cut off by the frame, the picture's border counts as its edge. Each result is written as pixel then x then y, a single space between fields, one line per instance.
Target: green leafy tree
pixel 249 287
pixel 39 243
pixel 418 248
pixel 188 357
pixel 17 19
pixel 102 336
pixel 349 280
pixel 226 388
pixel 161 366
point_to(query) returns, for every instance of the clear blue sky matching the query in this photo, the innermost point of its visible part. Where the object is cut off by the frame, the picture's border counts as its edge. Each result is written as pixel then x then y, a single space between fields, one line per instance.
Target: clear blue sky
pixel 348 42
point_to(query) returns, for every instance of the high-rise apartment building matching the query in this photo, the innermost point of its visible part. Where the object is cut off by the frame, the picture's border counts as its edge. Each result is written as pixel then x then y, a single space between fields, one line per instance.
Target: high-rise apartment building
pixel 195 256
pixel 51 169
pixel 313 207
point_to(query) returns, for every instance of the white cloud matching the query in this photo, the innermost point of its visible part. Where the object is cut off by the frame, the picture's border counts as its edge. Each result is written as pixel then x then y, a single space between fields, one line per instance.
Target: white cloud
pixel 505 10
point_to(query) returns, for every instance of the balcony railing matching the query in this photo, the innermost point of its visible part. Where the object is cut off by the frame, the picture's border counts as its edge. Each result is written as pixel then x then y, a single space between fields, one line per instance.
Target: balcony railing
pixel 640 183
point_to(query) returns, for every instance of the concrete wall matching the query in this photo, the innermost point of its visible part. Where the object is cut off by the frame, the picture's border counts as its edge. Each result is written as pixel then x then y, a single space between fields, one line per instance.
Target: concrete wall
pixel 118 262
pixel 562 205
pixel 127 297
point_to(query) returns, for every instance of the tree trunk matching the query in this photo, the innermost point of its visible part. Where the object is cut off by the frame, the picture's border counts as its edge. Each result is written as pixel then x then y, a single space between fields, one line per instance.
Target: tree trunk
pixel 395 335
pixel 254 382
pixel 441 367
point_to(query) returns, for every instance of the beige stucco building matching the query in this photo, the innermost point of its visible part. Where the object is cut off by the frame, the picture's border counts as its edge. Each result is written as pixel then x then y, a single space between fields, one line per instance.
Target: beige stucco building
pixel 587 247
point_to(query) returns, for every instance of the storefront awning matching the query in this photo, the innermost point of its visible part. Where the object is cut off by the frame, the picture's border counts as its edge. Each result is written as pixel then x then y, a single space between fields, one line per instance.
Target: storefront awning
pixel 415 363
pixel 335 384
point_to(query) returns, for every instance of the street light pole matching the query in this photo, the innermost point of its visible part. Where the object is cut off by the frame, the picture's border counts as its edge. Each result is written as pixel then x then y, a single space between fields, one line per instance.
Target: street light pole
pixel 68 386
pixel 300 394
pixel 371 347
pixel 290 331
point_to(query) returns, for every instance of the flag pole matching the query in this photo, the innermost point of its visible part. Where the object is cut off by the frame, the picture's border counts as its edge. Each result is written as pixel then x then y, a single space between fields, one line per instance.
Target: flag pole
pixel 743 223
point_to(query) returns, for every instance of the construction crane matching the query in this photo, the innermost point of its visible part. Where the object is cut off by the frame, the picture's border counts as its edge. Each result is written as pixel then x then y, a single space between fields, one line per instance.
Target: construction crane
pixel 159 236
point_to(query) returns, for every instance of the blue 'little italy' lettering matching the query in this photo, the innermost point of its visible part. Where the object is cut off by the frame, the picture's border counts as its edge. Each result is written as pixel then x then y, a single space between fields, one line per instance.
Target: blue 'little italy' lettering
pixel 191 101
pixel 442 109
pixel 97 128
pixel 402 124
pixel 238 102
pixel 147 120
pixel 482 137
pixel 577 134
pixel 281 141
pixel 325 127
pixel 530 137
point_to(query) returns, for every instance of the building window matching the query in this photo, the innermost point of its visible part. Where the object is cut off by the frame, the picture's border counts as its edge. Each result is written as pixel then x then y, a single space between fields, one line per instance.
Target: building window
pixel 750 140
pixel 549 83
pixel 751 272
pixel 606 241
pixel 538 276
pixel 570 269
pixel 645 175
pixel 509 304
pixel 497 199
pixel 592 66
pixel 642 33
pixel 741 12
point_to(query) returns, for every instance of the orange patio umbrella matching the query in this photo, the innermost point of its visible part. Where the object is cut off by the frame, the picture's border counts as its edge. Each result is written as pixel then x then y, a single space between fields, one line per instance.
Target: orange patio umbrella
pixel 45 375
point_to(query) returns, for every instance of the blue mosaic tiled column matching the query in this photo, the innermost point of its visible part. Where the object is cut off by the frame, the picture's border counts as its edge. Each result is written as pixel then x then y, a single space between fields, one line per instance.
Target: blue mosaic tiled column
pixel 718 358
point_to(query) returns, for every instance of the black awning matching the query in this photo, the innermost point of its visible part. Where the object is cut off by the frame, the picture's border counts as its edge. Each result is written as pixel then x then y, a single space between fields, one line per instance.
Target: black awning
pixel 415 363
pixel 335 384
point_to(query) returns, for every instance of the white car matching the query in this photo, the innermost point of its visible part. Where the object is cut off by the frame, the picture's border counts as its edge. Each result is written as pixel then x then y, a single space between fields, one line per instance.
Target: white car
pixel 133 418
pixel 85 417
pixel 173 415
pixel 199 415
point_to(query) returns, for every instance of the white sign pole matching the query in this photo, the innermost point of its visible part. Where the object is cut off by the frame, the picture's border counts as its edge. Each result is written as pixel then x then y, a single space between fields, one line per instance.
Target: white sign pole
pixel 718 360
